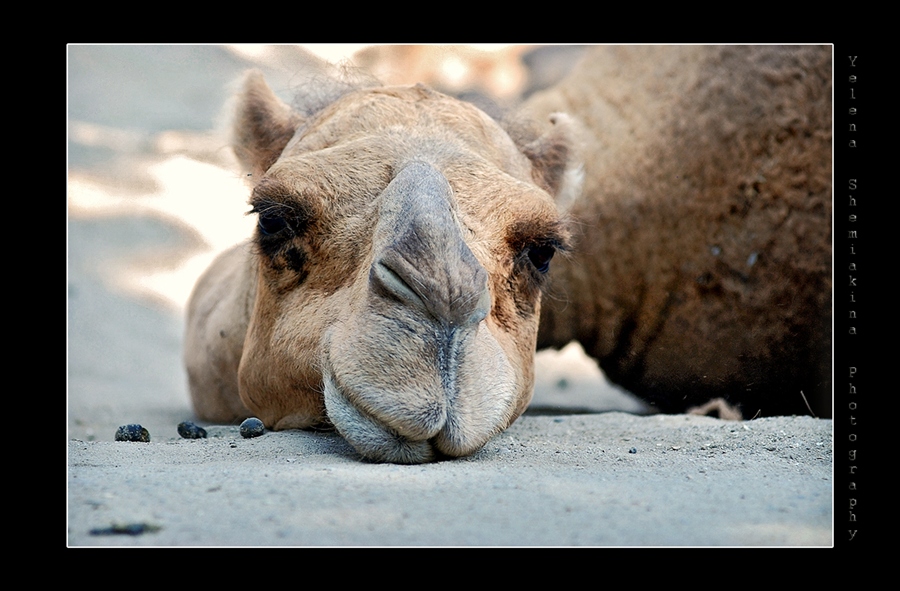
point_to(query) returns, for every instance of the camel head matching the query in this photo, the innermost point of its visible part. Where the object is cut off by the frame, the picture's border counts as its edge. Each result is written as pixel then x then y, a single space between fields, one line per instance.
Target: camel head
pixel 403 241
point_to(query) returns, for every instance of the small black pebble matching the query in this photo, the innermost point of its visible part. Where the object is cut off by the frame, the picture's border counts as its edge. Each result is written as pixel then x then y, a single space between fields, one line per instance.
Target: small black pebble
pixel 132 433
pixel 131 529
pixel 252 427
pixel 633 450
pixel 189 430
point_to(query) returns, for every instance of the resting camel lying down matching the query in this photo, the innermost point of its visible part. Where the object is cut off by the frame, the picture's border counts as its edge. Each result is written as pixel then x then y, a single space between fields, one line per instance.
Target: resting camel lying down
pixel 400 280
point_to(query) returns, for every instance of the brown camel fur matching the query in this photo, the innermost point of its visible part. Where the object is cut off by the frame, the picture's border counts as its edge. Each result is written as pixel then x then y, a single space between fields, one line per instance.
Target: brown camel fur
pixel 702 258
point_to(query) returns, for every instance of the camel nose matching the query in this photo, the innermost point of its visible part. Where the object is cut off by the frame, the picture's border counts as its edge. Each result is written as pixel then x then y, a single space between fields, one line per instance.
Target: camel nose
pixel 421 259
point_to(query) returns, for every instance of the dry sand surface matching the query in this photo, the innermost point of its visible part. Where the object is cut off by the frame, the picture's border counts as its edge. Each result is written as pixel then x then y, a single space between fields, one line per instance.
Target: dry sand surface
pixel 153 196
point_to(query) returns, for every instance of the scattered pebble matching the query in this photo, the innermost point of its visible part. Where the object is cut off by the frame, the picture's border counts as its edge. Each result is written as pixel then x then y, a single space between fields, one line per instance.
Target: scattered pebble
pixel 131 529
pixel 252 427
pixel 189 430
pixel 132 433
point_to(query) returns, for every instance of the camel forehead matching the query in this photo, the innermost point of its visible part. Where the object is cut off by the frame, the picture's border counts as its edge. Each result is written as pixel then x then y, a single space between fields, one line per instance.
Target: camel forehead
pixel 398 120
pixel 353 148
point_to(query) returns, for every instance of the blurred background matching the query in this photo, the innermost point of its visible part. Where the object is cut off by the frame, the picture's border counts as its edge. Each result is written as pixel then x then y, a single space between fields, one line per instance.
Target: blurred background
pixel 154 193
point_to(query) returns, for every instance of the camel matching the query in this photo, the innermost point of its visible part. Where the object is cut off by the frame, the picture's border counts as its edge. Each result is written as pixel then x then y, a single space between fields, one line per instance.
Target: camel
pixel 702 260
pixel 399 280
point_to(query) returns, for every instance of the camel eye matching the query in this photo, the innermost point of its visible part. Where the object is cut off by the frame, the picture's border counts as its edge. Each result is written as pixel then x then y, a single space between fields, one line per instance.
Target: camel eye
pixel 540 256
pixel 271 224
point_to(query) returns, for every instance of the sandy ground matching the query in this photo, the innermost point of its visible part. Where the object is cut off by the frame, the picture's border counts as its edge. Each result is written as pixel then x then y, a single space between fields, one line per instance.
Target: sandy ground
pixel 152 196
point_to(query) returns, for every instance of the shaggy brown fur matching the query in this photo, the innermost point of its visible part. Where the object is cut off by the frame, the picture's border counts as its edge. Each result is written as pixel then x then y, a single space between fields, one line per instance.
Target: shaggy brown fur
pixel 702 262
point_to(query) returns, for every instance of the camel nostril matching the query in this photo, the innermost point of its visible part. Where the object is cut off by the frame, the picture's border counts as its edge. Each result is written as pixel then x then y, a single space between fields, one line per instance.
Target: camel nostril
pixel 395 280
pixel 390 283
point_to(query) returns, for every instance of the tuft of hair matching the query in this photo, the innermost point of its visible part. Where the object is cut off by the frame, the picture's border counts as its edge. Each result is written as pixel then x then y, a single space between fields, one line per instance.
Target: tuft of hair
pixel 335 81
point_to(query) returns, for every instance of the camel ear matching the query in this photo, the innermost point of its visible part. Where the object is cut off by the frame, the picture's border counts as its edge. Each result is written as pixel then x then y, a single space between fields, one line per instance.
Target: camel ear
pixel 555 165
pixel 263 125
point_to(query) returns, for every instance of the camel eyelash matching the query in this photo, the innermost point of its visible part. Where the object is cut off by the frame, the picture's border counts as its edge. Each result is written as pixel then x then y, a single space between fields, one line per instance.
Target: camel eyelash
pixel 276 216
